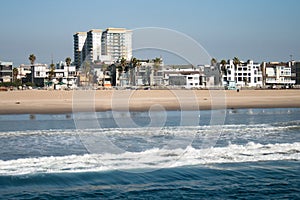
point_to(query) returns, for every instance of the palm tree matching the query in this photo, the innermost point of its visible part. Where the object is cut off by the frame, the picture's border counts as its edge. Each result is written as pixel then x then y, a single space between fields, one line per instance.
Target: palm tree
pixel 32 58
pixel 51 72
pixel 68 62
pixel 157 62
pixel 87 70
pixel 223 68
pixel 121 68
pixel 15 74
pixel 132 65
pixel 213 62
pixel 134 62
pixel 236 62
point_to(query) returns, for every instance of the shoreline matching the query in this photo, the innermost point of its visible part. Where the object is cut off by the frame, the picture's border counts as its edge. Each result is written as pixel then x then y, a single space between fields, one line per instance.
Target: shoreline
pixel 63 102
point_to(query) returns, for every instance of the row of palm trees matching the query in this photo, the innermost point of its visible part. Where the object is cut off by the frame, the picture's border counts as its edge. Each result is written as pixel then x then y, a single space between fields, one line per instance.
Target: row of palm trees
pixel 32 59
pixel 129 67
pixel 236 62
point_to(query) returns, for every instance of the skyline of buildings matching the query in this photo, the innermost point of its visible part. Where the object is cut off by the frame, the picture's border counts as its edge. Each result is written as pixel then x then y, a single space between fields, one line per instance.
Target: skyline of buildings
pixel 96 48
pixel 227 75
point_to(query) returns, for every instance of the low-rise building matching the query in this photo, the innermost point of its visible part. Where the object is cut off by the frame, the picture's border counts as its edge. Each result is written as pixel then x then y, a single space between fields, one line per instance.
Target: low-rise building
pixel 42 75
pixel 244 74
pixel 6 71
pixel 211 76
pixel 278 74
pixel 297 72
pixel 187 78
pixel 186 81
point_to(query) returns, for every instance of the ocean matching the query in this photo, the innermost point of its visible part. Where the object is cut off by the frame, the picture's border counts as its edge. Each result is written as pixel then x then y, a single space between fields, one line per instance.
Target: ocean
pixel 220 154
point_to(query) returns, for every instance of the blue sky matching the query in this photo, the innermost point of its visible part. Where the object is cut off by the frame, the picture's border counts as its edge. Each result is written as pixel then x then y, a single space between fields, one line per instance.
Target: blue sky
pixel 262 30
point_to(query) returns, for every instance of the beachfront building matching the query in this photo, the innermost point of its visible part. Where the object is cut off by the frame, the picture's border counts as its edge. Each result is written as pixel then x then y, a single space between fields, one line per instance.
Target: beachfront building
pixel 297 72
pixel 148 73
pixel 117 43
pixel 34 74
pixel 106 46
pixel 63 76
pixel 183 78
pixel 278 74
pixel 244 74
pixel 6 71
pixel 42 75
pixel 211 76
pixel 185 81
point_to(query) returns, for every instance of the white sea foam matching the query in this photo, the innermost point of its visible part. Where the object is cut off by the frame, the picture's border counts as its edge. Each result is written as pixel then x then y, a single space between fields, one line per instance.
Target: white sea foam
pixel 151 131
pixel 152 159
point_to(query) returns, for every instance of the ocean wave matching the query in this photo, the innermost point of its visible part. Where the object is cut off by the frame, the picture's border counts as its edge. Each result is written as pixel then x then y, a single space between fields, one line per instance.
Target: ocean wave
pixel 152 159
pixel 177 130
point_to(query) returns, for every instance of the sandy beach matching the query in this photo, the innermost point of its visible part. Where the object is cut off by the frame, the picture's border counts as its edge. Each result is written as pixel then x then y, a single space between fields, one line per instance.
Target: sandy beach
pixel 43 102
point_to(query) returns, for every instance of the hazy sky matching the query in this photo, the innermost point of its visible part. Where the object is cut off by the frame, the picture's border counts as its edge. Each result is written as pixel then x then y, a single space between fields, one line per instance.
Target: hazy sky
pixel 262 30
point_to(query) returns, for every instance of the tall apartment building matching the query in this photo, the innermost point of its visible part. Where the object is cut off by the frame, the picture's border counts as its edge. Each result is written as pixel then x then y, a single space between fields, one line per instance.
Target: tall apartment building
pixel 79 47
pixel 97 45
pixel 93 45
pixel 6 71
pixel 245 74
pixel 117 43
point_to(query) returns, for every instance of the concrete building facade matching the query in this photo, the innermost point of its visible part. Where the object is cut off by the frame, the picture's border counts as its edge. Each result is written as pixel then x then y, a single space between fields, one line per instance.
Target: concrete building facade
pixel 93 45
pixel 39 75
pixel 6 71
pixel 297 72
pixel 102 46
pixel 79 50
pixel 245 74
pixel 117 43
pixel 278 73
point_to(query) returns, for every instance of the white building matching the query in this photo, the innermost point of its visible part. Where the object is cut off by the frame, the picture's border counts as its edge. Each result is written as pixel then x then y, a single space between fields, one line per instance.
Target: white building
pixel 39 74
pixel 245 74
pixel 93 45
pixel 278 73
pixel 79 50
pixel 186 81
pixel 117 43
pixel 102 46
pixel 187 78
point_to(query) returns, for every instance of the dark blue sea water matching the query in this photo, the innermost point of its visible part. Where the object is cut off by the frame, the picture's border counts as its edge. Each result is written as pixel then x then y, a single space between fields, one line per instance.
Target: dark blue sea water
pixel 239 154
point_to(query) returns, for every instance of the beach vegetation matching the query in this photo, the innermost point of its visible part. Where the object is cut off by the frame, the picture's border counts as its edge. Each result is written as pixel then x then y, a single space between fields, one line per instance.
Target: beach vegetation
pixel 11 84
